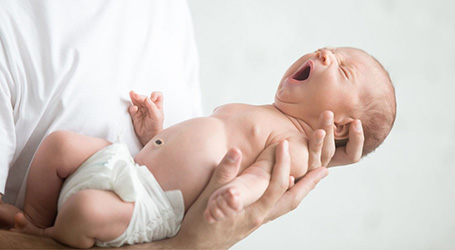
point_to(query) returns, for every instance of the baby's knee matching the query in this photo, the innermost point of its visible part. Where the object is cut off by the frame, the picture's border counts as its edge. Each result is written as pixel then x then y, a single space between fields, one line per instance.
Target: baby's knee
pixel 57 142
pixel 49 153
pixel 57 151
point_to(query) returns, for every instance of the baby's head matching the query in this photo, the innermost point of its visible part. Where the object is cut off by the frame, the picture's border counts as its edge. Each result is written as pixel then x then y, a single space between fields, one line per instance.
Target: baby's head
pixel 349 82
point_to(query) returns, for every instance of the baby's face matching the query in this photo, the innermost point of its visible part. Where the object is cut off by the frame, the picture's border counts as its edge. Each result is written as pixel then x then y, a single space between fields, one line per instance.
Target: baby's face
pixel 328 79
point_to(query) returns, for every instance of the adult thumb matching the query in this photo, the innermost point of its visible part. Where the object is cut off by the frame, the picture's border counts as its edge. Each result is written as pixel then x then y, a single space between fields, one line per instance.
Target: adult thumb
pixel 226 171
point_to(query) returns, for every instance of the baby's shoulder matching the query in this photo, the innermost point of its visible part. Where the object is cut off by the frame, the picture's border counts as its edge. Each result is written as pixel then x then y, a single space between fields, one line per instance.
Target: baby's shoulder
pixel 241 111
pixel 233 107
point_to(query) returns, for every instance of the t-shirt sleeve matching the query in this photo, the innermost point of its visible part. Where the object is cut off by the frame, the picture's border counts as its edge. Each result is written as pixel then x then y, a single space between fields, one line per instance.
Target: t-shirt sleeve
pixel 7 133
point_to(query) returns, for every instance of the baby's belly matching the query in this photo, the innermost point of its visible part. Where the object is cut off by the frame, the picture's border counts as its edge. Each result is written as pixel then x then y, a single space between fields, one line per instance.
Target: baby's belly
pixel 184 156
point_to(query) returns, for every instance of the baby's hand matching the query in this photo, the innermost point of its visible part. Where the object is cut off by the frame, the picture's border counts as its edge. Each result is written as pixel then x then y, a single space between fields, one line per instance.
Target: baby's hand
pixel 147 115
pixel 224 203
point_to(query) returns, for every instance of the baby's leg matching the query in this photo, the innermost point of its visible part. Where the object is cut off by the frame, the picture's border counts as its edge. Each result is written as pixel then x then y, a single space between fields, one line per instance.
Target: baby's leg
pixel 244 189
pixel 58 156
pixel 234 196
pixel 85 216
pixel 225 202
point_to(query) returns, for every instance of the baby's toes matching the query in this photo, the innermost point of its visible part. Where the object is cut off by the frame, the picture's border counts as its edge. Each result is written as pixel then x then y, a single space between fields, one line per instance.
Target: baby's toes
pixel 20 223
pixel 208 215
pixel 232 198
pixel 217 211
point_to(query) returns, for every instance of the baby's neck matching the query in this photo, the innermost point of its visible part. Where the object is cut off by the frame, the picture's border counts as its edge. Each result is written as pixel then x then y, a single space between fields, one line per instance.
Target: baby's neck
pixel 301 125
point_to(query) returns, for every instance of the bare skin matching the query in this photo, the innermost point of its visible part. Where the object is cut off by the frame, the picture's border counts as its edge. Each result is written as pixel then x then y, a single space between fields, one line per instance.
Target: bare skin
pixel 276 201
pixel 334 76
pixel 7 213
pixel 211 135
pixel 224 234
pixel 181 136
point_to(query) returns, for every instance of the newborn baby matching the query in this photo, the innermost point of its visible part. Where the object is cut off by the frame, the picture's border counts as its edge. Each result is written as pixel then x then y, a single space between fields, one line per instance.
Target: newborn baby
pixel 109 199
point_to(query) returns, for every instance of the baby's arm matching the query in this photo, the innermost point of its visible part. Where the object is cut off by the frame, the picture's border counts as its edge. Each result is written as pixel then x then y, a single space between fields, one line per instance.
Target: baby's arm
pixel 147 115
pixel 243 190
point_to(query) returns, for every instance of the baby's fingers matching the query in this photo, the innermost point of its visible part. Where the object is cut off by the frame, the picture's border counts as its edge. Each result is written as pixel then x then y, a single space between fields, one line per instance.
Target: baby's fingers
pixel 133 110
pixel 152 109
pixel 157 98
pixel 137 99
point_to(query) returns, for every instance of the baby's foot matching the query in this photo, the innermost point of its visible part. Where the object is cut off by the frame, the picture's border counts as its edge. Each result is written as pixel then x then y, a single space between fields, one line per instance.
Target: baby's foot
pixel 224 203
pixel 23 225
pixel 7 213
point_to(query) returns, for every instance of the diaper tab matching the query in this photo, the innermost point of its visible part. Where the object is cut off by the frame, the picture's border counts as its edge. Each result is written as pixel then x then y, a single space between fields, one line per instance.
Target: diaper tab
pixel 123 179
pixel 175 198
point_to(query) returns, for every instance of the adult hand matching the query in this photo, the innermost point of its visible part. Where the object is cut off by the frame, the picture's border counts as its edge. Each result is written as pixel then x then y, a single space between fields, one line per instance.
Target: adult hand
pixel 7 213
pixel 351 153
pixel 277 200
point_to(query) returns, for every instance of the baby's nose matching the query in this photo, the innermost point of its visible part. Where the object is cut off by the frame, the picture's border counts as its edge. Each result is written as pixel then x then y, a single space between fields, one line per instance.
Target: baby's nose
pixel 325 55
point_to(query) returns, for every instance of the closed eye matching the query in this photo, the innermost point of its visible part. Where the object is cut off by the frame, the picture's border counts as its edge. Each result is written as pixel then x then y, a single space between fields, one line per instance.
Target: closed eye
pixel 344 72
pixel 341 66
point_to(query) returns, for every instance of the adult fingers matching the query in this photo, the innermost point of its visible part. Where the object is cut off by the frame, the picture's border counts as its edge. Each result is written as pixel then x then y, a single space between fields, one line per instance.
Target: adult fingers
pixel 225 172
pixel 354 147
pixel 294 196
pixel 352 152
pixel 279 183
pixel 328 147
pixel 315 149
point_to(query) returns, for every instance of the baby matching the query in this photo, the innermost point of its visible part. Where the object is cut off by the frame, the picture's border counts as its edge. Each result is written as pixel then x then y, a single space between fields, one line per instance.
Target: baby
pixel 109 199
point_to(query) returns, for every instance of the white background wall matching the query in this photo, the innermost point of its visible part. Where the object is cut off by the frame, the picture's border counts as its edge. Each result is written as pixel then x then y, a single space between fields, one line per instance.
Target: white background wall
pixel 403 195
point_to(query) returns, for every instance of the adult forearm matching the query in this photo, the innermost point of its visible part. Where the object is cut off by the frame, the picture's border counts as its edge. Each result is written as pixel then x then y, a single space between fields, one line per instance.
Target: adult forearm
pixel 13 240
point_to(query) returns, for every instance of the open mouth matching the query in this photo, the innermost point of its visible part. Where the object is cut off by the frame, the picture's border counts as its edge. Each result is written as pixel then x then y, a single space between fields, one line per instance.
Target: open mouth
pixel 303 73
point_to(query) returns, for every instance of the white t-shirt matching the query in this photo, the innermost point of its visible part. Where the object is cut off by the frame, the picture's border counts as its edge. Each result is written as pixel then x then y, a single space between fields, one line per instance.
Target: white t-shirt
pixel 70 65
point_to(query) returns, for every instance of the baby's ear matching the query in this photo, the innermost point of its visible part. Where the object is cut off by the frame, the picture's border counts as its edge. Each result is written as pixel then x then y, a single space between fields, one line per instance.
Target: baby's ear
pixel 341 130
pixel 341 134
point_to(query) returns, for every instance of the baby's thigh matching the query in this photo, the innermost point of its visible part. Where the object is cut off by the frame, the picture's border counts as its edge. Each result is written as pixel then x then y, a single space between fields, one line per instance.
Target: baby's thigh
pixel 64 151
pixel 96 214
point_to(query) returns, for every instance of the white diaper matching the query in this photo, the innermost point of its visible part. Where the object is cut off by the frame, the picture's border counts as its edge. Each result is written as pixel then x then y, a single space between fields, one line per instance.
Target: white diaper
pixel 157 214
